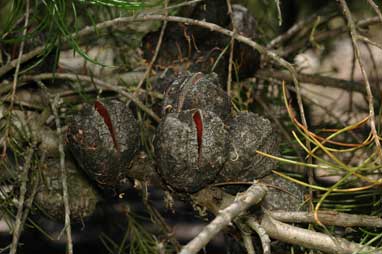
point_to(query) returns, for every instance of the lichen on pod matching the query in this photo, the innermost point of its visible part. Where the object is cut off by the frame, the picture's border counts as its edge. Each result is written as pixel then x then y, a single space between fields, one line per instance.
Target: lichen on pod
pixel 49 196
pixel 191 148
pixel 104 138
pixel 249 132
pixel 197 91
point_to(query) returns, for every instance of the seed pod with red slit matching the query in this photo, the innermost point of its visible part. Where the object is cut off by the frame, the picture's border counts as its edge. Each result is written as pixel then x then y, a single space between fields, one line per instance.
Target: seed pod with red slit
pixel 49 197
pixel 191 148
pixel 103 138
pixel 249 132
pixel 197 91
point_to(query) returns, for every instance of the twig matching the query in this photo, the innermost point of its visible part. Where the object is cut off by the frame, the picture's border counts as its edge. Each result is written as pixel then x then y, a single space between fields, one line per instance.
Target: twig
pixel 242 202
pixel 354 38
pixel 54 104
pixel 24 58
pixel 95 81
pixel 20 205
pixel 313 79
pixel 157 48
pixel 158 219
pixel 327 34
pixel 263 235
pixel 232 45
pixel 279 14
pixel 247 237
pixel 310 239
pixel 294 30
pixel 17 63
pixel 68 229
pixel 329 218
pixel 375 8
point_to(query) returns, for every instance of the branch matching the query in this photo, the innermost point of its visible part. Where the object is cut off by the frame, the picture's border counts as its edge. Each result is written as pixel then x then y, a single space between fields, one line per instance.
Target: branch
pixel 95 81
pixel 329 218
pixel 310 239
pixel 20 205
pixel 157 48
pixel 357 53
pixel 313 79
pixel 242 202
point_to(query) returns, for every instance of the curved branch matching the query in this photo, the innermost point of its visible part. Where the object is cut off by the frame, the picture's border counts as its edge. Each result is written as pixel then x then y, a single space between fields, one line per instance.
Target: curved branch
pixel 242 202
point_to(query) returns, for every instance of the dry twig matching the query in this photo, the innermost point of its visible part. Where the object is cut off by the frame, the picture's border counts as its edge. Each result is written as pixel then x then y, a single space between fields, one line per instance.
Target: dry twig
pixel 157 48
pixel 242 202
pixel 329 218
pixel 95 81
pixel 354 37
pixel 20 205
pixel 310 239
pixel 54 103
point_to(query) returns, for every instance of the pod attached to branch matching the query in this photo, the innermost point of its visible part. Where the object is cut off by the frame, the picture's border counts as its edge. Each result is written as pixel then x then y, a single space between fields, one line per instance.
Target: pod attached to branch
pixel 197 91
pixel 191 148
pixel 104 138
pixel 249 132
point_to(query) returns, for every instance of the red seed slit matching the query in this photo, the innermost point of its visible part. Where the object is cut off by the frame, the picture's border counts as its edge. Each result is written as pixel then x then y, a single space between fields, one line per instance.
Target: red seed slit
pixel 100 108
pixel 199 131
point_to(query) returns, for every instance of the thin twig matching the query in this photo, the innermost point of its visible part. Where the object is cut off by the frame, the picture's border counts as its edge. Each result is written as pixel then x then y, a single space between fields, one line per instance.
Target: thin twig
pixel 18 64
pixel 329 218
pixel 24 58
pixel 232 45
pixel 310 239
pixel 297 27
pixel 313 79
pixel 246 234
pixel 242 202
pixel 20 205
pixel 97 82
pixel 375 8
pixel 326 35
pixel 68 229
pixel 157 49
pixel 354 38
pixel 54 103
pixel 264 237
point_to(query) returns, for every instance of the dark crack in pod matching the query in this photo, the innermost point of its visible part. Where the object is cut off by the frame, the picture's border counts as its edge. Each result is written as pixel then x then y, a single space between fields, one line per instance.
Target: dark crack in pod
pixel 249 132
pixel 104 138
pixel 191 148
pixel 197 91
pixel 283 195
pixel 49 197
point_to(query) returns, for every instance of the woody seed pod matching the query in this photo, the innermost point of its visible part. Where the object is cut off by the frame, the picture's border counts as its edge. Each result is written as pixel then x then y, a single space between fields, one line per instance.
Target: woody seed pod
pixel 283 194
pixel 49 197
pixel 103 139
pixel 190 147
pixel 249 132
pixel 197 91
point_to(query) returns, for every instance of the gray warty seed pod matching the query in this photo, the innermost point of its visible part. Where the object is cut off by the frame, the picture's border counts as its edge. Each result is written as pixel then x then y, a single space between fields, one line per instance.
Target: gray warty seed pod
pixel 283 194
pixel 197 91
pixel 103 139
pixel 249 132
pixel 191 148
pixel 49 197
